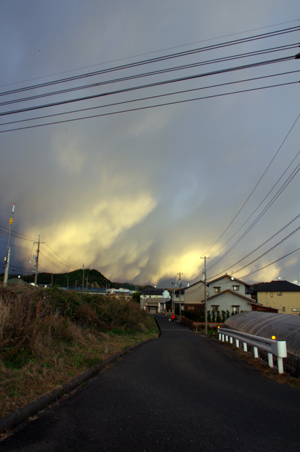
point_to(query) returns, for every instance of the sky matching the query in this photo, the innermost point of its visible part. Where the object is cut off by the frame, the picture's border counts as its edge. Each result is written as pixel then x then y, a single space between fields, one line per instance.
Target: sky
pixel 144 195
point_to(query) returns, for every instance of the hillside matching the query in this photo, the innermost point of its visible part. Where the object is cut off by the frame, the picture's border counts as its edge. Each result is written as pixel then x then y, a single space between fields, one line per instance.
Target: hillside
pixel 94 278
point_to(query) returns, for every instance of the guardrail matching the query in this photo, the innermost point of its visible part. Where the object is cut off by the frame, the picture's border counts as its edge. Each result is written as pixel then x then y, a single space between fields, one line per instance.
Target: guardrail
pixel 273 347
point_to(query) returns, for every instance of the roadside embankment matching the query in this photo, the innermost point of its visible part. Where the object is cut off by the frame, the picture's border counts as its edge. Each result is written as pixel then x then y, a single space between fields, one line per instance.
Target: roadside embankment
pixel 49 337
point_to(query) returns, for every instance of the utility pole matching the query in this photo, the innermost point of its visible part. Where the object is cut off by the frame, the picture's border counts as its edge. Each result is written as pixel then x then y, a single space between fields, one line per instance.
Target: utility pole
pixel 37 259
pixel 7 258
pixel 173 298
pixel 205 294
pixel 179 284
pixel 83 278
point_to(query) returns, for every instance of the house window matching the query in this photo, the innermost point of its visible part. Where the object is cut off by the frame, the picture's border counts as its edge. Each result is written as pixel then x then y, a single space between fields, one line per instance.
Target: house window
pixel 217 289
pixel 237 288
pixel 279 294
pixel 283 308
pixel 296 310
pixel 235 309
pixel 271 294
pixel 215 307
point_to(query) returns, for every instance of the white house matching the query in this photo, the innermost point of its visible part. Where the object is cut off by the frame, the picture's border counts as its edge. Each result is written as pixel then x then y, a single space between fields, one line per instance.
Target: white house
pixel 154 300
pixel 227 293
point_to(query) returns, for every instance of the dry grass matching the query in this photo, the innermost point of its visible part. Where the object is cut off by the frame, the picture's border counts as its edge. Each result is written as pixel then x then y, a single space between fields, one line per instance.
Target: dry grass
pixel 38 327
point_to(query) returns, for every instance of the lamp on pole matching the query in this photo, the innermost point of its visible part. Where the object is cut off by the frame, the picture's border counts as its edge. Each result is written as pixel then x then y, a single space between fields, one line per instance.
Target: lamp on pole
pixel 7 258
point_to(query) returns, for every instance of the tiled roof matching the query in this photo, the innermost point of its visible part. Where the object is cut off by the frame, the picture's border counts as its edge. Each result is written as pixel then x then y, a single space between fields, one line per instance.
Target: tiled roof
pixel 234 280
pixel 280 285
pixel 231 292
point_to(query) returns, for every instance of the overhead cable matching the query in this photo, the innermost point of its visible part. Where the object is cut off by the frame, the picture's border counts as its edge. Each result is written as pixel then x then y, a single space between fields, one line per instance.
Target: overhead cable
pixel 266 208
pixel 271 263
pixel 157 59
pixel 153 73
pixel 173 93
pixel 256 185
pixel 149 107
pixel 149 85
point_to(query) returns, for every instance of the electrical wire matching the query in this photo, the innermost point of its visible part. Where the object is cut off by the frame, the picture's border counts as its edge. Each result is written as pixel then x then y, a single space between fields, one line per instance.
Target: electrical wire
pixel 157 59
pixel 153 73
pixel 149 85
pixel 113 104
pixel 266 208
pixel 271 263
pixel 148 107
pixel 268 251
pixel 256 185
pixel 260 246
pixel 150 53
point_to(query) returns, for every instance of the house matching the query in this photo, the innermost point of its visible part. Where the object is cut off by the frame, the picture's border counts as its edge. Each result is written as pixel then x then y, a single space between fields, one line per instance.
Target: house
pixel 227 293
pixel 194 296
pixel 154 300
pixel 279 294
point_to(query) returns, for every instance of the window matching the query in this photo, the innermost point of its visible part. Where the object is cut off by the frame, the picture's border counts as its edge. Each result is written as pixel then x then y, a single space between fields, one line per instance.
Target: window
pixel 237 288
pixel 283 308
pixel 235 309
pixel 271 294
pixel 296 310
pixel 217 289
pixel 279 294
pixel 214 307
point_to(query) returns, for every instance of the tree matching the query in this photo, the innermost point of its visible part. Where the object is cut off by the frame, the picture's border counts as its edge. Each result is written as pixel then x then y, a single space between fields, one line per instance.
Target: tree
pixel 136 296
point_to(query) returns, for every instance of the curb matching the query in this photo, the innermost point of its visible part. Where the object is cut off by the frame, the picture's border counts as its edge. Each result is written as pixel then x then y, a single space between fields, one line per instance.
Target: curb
pixel 13 420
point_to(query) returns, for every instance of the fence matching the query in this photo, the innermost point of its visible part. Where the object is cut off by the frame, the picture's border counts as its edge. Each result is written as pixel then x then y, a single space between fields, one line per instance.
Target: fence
pixel 273 347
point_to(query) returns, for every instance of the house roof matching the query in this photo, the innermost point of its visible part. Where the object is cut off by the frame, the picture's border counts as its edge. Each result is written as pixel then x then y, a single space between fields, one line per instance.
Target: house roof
pixel 157 291
pixel 279 285
pixel 249 300
pixel 229 277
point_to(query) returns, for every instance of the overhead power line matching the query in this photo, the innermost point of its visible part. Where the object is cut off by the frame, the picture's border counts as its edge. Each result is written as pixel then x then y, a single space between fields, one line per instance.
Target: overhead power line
pixel 173 93
pixel 153 73
pixel 268 251
pixel 256 185
pixel 149 107
pixel 258 247
pixel 157 59
pixel 150 85
pixel 266 208
pixel 271 263
pixel 151 53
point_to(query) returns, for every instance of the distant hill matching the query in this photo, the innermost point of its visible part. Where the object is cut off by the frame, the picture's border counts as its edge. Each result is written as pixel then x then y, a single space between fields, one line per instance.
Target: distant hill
pixel 94 278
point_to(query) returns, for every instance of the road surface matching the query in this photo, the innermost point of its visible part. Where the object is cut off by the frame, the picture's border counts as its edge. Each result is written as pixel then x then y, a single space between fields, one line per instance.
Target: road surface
pixel 181 392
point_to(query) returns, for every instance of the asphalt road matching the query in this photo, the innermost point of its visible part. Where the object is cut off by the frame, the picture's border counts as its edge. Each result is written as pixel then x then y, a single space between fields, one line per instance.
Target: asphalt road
pixel 182 392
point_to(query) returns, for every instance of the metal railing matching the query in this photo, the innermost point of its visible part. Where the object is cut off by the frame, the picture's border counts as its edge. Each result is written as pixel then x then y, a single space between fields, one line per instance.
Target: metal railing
pixel 273 347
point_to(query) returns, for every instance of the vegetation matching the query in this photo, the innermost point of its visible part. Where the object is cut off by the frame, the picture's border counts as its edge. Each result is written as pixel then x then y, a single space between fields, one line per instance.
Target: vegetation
pixel 136 296
pixel 93 278
pixel 212 316
pixel 40 326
